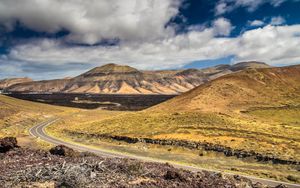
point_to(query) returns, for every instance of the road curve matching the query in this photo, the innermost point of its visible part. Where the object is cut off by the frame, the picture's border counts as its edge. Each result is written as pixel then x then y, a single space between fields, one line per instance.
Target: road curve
pixel 38 131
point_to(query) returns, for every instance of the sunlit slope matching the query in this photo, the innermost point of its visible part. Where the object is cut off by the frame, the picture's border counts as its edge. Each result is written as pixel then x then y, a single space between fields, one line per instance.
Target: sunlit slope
pixel 12 81
pixel 250 88
pixel 17 115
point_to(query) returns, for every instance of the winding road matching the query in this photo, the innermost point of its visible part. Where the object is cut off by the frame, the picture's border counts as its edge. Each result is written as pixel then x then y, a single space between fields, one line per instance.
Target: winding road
pixel 38 131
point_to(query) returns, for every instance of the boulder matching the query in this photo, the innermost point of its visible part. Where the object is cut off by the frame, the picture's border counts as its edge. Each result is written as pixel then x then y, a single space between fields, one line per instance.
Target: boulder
pixel 7 144
pixel 62 150
pixel 174 175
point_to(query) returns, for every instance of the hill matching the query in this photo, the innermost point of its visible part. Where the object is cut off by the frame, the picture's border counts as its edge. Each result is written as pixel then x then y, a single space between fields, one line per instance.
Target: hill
pixel 238 91
pixel 17 115
pixel 12 81
pixel 44 86
pixel 119 79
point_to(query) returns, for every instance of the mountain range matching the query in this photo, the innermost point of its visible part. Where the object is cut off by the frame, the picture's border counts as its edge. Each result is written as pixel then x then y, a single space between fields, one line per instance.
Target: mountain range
pixel 120 79
pixel 268 87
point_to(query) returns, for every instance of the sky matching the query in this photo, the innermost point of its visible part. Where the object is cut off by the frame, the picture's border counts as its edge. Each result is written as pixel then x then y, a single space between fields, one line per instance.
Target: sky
pixel 47 39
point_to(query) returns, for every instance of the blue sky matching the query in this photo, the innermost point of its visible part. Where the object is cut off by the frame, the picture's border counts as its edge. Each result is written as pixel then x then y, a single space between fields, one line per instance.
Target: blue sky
pixel 59 38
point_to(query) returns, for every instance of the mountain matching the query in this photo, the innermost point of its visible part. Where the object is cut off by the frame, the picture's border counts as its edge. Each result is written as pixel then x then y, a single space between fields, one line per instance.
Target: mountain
pixel 120 79
pixel 40 86
pixel 241 90
pixel 12 81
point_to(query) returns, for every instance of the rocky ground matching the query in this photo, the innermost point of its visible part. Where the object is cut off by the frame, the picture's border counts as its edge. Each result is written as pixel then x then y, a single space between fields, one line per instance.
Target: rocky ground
pixel 63 167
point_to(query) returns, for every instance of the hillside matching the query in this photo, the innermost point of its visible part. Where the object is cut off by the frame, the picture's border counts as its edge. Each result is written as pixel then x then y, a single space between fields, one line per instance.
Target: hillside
pixel 44 86
pixel 17 115
pixel 119 79
pixel 241 90
pixel 12 81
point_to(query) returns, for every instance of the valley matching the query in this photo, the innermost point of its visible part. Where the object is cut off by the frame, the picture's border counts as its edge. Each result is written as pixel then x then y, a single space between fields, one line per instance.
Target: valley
pixel 96 101
pixel 243 123
pixel 256 119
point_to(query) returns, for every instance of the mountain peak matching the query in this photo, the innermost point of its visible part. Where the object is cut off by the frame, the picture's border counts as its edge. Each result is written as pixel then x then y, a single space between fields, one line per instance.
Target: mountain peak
pixel 249 64
pixel 111 69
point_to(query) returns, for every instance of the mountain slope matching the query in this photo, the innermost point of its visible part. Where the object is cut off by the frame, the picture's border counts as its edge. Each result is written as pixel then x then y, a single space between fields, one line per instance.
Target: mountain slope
pixel 40 86
pixel 118 79
pixel 248 88
pixel 17 115
pixel 12 81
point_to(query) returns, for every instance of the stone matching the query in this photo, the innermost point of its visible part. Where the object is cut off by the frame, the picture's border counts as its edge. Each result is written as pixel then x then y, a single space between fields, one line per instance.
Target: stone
pixel 7 144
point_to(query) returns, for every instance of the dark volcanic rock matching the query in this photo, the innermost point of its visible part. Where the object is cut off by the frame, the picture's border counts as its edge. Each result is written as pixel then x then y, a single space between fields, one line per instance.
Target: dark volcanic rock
pixel 227 151
pixel 281 186
pixel 7 144
pixel 63 151
pixel 34 168
pixel 173 175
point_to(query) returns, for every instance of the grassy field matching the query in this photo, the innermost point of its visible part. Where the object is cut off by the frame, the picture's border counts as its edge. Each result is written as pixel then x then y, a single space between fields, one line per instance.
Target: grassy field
pixel 249 130
pixel 17 116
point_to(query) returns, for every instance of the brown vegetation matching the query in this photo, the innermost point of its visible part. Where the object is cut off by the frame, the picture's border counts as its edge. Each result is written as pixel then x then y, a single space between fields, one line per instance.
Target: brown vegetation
pixel 25 168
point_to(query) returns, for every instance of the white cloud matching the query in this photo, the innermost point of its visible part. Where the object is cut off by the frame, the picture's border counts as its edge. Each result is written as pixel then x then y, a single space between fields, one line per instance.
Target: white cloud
pixel 146 42
pixel 221 8
pixel 256 23
pixel 275 45
pixel 91 21
pixel 224 6
pixel 222 27
pixel 277 20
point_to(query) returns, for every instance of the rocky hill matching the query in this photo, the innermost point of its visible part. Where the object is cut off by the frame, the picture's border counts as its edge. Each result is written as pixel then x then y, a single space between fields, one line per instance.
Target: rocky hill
pixel 118 79
pixel 12 81
pixel 249 88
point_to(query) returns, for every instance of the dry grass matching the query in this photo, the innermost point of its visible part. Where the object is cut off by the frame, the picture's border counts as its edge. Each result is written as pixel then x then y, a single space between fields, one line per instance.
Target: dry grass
pixel 247 132
pixel 239 91
pixel 16 116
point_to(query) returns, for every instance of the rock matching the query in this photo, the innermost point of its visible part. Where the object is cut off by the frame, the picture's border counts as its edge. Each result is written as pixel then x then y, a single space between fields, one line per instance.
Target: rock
pixel 174 175
pixel 87 154
pixel 281 186
pixel 292 178
pixel 63 151
pixel 7 144
pixel 23 167
pixel 237 177
pixel 202 153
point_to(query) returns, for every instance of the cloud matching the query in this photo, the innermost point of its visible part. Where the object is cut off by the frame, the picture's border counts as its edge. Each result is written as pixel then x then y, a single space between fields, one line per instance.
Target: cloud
pixel 221 8
pixel 225 6
pixel 256 23
pixel 91 21
pixel 276 45
pixel 146 40
pixel 277 20
pixel 222 27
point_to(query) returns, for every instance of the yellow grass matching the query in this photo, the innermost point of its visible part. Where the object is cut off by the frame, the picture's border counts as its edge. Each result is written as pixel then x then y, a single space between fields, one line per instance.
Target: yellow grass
pixel 16 116
pixel 247 132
